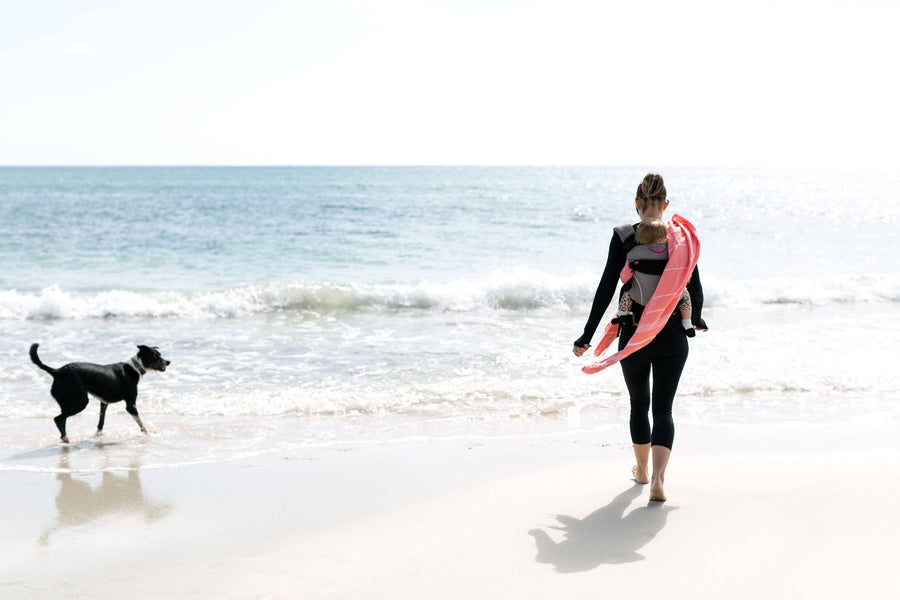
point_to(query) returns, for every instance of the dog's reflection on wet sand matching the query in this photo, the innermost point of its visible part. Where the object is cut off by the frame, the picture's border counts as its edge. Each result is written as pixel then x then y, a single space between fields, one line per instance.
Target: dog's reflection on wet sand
pixel 78 502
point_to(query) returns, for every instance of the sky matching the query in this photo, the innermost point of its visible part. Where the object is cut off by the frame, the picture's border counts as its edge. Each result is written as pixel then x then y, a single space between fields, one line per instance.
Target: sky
pixel 450 82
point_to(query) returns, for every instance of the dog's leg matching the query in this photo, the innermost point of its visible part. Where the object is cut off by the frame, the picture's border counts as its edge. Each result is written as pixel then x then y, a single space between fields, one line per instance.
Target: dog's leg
pixel 60 421
pixel 132 410
pixel 71 395
pixel 102 417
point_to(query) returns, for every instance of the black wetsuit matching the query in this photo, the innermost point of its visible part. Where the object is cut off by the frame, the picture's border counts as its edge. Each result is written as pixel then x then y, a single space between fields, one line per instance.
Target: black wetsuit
pixel 664 356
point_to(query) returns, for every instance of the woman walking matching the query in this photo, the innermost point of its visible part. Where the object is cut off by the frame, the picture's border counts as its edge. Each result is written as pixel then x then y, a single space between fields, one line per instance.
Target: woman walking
pixel 664 355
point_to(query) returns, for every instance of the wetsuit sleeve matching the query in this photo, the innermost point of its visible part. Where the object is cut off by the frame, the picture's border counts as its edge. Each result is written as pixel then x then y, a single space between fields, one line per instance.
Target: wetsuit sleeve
pixel 615 260
pixel 695 289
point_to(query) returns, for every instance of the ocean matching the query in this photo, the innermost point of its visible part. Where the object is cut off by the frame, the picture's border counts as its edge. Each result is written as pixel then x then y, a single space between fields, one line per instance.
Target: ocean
pixel 325 306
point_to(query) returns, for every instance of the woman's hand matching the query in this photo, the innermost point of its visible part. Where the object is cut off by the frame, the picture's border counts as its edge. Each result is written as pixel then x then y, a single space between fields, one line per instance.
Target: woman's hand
pixel 579 350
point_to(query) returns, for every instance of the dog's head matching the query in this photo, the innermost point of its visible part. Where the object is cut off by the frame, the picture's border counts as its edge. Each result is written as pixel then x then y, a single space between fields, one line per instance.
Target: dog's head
pixel 152 359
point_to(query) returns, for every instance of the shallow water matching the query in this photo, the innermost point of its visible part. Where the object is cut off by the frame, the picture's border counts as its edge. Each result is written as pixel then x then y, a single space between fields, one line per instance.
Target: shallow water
pixel 314 306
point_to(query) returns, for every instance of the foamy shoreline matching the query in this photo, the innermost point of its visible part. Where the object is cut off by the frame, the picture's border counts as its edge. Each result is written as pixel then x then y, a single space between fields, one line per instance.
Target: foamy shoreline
pixel 752 512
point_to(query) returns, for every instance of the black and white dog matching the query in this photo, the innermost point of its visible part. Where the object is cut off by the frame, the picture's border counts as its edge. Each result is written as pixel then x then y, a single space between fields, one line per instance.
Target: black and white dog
pixel 108 383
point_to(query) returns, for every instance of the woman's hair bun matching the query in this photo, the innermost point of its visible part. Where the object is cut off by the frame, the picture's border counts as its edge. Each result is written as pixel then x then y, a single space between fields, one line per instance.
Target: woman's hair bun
pixel 652 188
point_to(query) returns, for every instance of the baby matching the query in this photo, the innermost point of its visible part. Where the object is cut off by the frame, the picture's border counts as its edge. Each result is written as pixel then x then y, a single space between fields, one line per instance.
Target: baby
pixel 651 232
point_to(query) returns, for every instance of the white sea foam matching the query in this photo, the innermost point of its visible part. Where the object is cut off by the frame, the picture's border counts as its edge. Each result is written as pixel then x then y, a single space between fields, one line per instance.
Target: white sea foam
pixel 518 290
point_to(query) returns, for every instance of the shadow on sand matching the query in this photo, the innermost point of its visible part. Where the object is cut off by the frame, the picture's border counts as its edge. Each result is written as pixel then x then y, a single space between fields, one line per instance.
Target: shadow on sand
pixel 63 451
pixel 606 536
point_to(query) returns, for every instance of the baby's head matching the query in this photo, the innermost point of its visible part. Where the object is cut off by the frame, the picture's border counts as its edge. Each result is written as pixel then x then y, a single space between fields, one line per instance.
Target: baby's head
pixel 650 231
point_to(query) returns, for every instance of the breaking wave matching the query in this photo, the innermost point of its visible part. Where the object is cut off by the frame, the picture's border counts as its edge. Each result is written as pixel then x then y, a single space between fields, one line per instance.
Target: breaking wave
pixel 521 290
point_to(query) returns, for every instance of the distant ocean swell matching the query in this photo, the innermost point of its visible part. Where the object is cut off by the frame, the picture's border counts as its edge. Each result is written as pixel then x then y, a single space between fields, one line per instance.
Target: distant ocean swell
pixel 520 290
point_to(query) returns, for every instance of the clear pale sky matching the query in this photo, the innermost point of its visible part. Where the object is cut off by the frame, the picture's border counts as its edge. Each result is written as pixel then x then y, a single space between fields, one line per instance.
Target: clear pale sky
pixel 266 82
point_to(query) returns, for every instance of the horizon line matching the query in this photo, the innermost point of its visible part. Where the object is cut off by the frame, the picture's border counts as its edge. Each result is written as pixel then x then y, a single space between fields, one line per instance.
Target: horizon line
pixel 434 165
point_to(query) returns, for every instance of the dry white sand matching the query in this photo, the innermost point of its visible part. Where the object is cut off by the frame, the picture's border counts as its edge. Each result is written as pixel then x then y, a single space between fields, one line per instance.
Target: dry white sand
pixel 522 518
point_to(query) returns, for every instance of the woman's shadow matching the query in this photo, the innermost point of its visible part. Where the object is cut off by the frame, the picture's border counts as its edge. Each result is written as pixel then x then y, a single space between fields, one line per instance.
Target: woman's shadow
pixel 606 536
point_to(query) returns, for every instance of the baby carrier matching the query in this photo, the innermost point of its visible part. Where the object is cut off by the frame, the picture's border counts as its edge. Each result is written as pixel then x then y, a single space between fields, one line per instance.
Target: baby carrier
pixel 667 278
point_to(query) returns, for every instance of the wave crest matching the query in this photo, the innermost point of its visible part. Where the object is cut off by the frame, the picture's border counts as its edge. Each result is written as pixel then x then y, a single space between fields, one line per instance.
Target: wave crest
pixel 884 287
pixel 520 290
pixel 504 291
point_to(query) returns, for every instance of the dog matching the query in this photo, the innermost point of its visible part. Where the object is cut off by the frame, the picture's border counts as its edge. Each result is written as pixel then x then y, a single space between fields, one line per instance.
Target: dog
pixel 108 383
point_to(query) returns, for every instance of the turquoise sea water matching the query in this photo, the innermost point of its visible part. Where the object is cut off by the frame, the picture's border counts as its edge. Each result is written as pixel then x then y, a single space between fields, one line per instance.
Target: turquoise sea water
pixel 300 304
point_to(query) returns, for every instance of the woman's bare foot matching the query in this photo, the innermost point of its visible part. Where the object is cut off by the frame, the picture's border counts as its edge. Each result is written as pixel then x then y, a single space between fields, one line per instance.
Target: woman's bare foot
pixel 656 491
pixel 660 461
pixel 642 457
pixel 639 475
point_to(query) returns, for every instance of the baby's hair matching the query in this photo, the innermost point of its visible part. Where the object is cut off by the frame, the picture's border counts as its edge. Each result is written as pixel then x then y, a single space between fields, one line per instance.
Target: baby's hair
pixel 650 231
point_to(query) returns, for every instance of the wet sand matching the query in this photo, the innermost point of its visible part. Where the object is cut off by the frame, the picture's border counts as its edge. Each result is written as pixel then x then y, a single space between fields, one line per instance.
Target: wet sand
pixel 752 512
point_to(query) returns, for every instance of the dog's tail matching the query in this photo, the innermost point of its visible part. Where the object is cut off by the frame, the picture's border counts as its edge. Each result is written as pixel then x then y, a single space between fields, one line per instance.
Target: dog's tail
pixel 37 361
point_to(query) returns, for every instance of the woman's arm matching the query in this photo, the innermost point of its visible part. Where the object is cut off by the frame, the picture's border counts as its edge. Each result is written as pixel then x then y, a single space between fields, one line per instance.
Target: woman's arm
pixel 615 260
pixel 696 291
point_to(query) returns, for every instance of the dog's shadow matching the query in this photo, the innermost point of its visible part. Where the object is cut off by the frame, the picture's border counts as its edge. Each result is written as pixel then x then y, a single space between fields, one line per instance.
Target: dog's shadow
pixel 61 451
pixel 606 536
pixel 80 503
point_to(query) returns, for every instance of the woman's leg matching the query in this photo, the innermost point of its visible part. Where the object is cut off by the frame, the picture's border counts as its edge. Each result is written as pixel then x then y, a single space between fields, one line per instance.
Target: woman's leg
pixel 636 370
pixel 668 365
pixel 666 374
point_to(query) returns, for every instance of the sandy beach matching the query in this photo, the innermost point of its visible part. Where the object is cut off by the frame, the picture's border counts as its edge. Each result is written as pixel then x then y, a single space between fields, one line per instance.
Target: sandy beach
pixel 366 238
pixel 753 512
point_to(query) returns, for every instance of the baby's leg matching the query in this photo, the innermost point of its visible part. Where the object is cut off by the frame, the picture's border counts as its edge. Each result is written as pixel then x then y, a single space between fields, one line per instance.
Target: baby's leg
pixel 684 305
pixel 685 310
pixel 625 303
pixel 624 314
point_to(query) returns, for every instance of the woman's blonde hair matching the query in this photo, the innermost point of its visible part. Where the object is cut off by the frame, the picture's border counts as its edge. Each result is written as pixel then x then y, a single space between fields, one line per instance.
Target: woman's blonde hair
pixel 650 231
